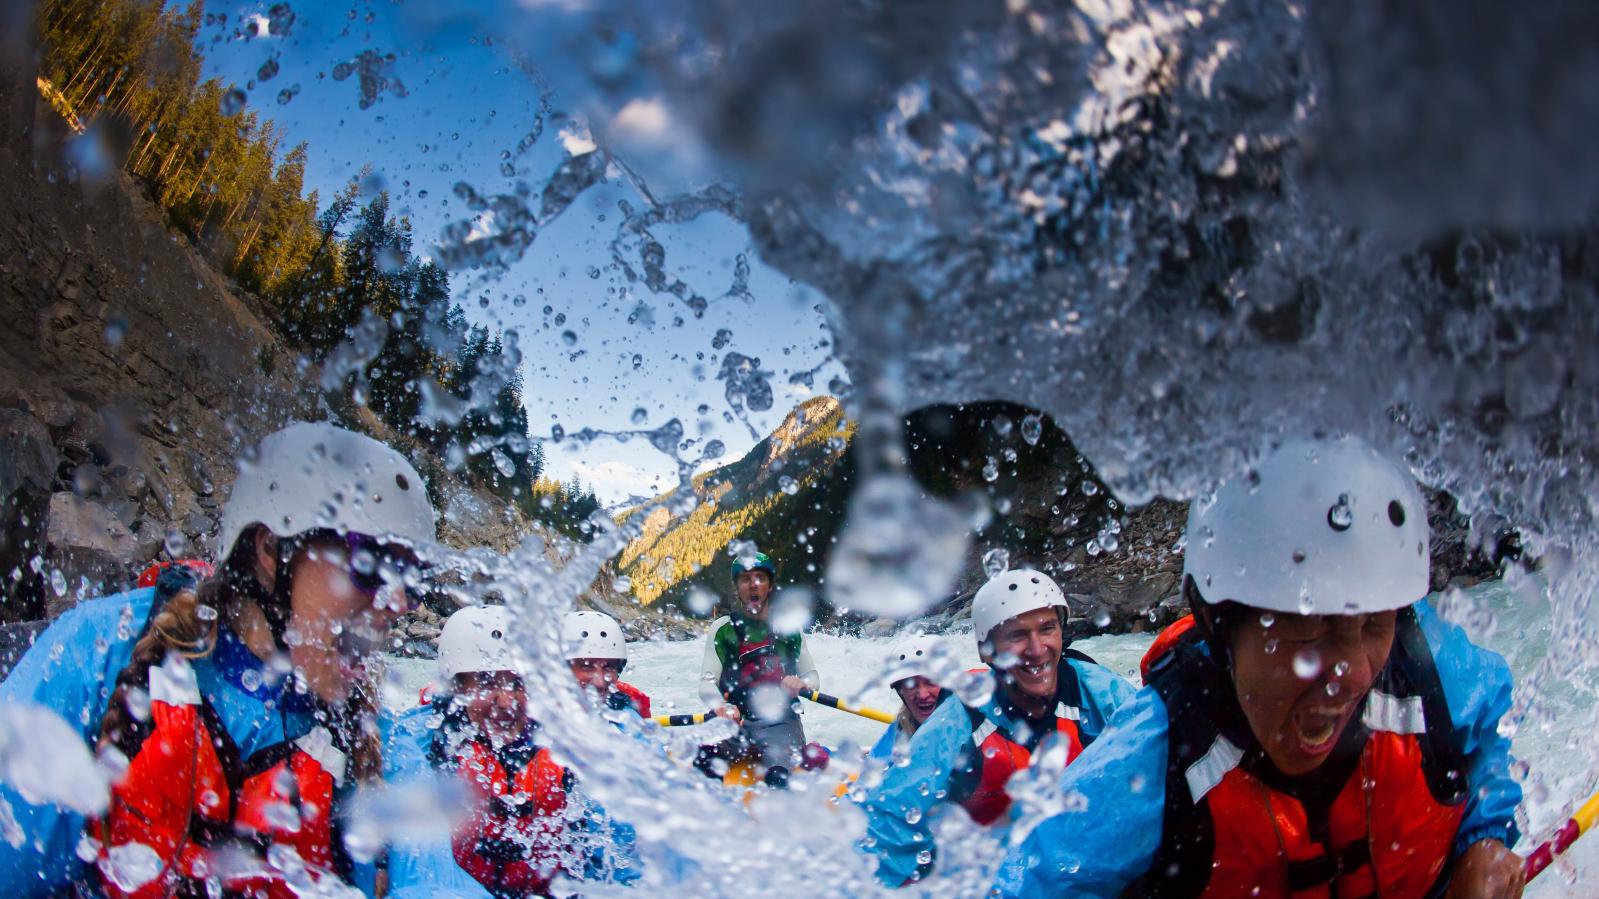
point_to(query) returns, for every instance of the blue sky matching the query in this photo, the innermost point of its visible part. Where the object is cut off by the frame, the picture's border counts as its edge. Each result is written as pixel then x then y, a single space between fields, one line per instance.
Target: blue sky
pixel 465 109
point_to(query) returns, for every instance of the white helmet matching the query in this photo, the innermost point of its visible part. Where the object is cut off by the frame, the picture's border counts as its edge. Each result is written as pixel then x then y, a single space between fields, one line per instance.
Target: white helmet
pixel 1013 593
pixel 319 475
pixel 920 647
pixel 593 635
pixel 916 652
pixel 1319 527
pixel 476 639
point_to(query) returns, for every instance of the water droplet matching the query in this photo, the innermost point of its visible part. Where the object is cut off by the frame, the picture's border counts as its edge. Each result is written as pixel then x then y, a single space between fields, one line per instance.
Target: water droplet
pixel 1267 619
pixel 640 415
pixel 1307 663
pixel 1333 688
pixel 991 470
pixel 233 102
pixel 701 601
pixel 205 612
pixel 1341 669
pixel 1032 429
pixel 569 338
pixel 115 330
pixel 788 485
pixel 58 582
pixel 996 562
pixel 1271 647
pixel 1090 488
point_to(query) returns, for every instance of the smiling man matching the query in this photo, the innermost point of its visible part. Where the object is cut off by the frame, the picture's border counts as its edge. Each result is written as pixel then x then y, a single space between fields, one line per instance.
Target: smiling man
pixel 965 756
pixel 1317 731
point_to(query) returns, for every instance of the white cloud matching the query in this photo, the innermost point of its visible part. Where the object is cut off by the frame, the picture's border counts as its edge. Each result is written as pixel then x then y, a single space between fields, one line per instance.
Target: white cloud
pixel 263 25
pixel 643 118
pixel 482 227
pixel 575 138
pixel 616 481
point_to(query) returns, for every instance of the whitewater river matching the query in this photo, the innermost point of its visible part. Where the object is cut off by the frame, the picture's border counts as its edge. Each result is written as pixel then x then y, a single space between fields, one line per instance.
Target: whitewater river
pixel 1510 617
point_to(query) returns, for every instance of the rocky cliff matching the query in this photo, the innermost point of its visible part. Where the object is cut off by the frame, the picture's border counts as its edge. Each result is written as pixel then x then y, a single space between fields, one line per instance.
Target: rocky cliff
pixel 131 373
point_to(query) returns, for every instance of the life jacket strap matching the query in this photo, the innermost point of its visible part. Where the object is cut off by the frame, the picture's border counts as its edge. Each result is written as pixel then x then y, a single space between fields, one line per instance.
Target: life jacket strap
pixel 1324 869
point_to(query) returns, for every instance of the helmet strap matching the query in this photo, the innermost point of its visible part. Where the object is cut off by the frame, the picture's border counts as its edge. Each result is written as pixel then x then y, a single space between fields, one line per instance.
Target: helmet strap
pixel 1214 622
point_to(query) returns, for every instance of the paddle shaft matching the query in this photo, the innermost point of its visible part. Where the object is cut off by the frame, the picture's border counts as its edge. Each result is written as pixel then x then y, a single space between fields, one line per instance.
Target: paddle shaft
pixel 833 702
pixel 1577 825
pixel 683 720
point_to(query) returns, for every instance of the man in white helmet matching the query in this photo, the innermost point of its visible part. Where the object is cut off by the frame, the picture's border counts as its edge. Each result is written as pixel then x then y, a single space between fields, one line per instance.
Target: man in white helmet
pixel 525 823
pixel 1317 730
pixel 963 756
pixel 596 651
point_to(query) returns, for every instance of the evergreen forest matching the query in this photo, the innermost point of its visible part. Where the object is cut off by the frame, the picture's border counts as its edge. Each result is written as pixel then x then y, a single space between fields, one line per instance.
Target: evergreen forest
pixel 340 279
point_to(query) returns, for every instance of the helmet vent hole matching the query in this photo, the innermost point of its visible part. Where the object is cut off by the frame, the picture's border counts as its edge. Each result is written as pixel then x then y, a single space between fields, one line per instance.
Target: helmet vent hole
pixel 1015 587
pixel 401 481
pixel 585 635
pixel 1396 513
pixel 1340 517
pixel 497 634
pixel 1034 580
pixel 1299 557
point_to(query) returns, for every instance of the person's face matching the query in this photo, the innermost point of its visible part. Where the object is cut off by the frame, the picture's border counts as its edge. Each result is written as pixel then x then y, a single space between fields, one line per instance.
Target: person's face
pixel 495 703
pixel 597 675
pixel 342 604
pixel 754 589
pixel 1034 639
pixel 920 696
pixel 1302 678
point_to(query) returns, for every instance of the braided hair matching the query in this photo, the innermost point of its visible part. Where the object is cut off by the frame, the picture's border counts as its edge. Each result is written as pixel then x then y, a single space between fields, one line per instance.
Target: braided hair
pixel 184 620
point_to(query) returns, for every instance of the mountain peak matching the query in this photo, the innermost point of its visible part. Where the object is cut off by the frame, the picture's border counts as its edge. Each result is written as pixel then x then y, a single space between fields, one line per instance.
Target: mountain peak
pixel 815 415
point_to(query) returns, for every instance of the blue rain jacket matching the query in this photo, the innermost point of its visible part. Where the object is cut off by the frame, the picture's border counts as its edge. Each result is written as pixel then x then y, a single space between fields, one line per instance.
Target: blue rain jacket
pixel 71 669
pixel 913 789
pixel 1104 849
pixel 883 749
pixel 428 868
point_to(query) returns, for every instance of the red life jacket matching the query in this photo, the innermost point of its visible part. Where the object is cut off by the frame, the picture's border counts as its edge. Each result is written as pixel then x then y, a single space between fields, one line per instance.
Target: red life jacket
pixel 997 753
pixel 1166 642
pixel 639 699
pixel 185 793
pixel 1383 824
pixel 175 790
pixel 512 843
pixel 758 663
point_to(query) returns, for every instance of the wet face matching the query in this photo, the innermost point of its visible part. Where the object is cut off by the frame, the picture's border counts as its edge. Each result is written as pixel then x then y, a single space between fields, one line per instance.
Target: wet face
pixel 754 589
pixel 598 675
pixel 920 696
pixel 1301 679
pixel 341 609
pixel 495 703
pixel 1030 644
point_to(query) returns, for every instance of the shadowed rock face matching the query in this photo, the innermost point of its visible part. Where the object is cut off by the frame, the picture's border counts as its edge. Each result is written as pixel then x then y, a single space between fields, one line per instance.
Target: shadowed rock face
pixel 131 374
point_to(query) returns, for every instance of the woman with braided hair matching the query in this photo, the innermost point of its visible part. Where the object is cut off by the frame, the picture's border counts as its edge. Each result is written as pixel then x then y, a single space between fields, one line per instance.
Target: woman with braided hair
pixel 239 705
